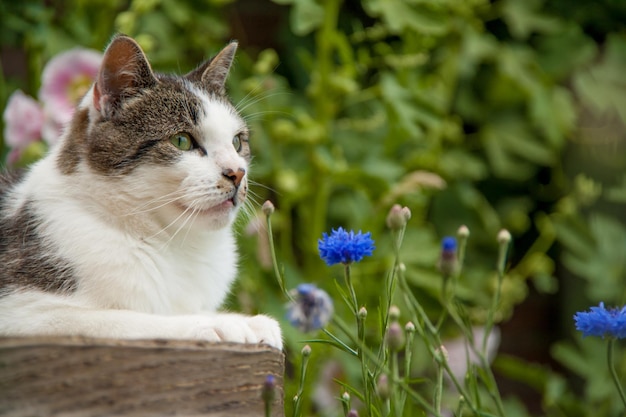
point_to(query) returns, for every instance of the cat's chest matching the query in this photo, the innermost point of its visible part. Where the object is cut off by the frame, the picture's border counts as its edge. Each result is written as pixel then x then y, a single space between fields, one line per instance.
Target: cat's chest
pixel 145 276
pixel 188 279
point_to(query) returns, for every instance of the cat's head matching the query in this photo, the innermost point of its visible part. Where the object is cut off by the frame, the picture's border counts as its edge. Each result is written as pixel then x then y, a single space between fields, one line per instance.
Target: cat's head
pixel 173 145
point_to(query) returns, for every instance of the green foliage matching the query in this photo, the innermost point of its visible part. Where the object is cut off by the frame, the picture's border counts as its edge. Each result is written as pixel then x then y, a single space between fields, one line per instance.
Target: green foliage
pixel 506 114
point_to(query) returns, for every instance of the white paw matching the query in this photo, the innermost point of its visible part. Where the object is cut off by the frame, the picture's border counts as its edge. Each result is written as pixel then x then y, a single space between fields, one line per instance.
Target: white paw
pixel 239 329
pixel 267 330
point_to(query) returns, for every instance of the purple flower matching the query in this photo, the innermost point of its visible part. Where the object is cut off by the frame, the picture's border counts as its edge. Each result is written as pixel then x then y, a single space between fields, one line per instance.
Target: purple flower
pixel 65 80
pixel 600 321
pixel 311 308
pixel 345 247
pixel 23 121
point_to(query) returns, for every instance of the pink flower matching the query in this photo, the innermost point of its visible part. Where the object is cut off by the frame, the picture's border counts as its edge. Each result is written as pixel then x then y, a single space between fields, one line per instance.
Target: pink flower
pixel 65 80
pixel 23 120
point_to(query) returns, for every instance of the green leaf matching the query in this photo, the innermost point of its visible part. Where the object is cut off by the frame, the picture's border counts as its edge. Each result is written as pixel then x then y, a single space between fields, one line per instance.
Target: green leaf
pixel 400 15
pixel 400 102
pixel 617 194
pixel 306 16
pixel 461 164
pixel 602 86
pixel 513 151
pixel 603 265
pixel 563 52
pixel 524 17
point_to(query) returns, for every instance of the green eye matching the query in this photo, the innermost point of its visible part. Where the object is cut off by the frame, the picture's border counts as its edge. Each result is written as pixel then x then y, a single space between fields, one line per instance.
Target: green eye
pixel 182 141
pixel 237 142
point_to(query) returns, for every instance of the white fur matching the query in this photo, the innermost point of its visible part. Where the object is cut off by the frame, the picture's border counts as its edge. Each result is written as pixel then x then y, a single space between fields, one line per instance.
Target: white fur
pixel 145 268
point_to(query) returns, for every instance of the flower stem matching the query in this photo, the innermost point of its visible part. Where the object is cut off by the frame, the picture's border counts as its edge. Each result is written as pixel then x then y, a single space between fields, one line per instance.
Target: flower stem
pixel 439 390
pixel 398 236
pixel 395 377
pixel 279 276
pixel 500 266
pixel 297 400
pixel 268 409
pixel 360 323
pixel 613 372
pixel 348 277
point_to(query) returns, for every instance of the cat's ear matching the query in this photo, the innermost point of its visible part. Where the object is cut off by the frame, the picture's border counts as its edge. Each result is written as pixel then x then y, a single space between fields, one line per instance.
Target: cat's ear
pixel 123 73
pixel 213 73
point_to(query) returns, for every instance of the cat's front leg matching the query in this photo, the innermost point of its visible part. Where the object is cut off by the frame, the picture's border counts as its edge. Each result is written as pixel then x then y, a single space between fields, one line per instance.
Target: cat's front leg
pixel 32 313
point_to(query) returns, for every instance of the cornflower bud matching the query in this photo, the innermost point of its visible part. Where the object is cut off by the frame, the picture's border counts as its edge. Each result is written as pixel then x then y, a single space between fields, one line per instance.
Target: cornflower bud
pixel 409 327
pixel 268 208
pixel 362 313
pixel 268 392
pixel 398 217
pixel 395 337
pixel 382 387
pixel 441 354
pixel 448 262
pixel 504 237
pixel 394 313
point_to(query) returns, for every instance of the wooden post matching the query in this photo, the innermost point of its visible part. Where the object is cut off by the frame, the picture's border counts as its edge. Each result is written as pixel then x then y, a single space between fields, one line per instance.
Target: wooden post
pixel 75 376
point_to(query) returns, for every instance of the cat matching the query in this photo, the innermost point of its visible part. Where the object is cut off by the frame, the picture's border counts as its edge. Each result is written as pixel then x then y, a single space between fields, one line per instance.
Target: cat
pixel 124 229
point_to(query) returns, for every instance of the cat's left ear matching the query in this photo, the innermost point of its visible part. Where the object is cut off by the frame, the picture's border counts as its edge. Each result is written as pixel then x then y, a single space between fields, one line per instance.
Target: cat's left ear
pixel 123 74
pixel 213 73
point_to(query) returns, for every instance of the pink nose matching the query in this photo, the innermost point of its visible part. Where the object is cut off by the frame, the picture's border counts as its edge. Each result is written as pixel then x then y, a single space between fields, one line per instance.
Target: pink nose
pixel 234 176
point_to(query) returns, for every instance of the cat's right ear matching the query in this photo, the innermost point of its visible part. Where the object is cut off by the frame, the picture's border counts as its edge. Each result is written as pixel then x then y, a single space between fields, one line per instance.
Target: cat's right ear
pixel 124 72
pixel 212 74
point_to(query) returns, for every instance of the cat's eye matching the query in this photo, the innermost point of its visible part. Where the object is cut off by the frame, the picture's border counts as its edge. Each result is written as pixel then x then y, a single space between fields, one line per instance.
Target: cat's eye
pixel 182 141
pixel 237 142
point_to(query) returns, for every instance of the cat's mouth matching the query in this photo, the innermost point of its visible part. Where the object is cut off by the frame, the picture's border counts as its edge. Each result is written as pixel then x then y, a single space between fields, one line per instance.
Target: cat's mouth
pixel 220 208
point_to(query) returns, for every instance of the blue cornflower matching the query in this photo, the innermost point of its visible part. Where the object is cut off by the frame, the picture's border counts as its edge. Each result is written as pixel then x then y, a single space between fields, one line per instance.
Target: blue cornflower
pixel 602 322
pixel 311 308
pixel 345 247
pixel 448 244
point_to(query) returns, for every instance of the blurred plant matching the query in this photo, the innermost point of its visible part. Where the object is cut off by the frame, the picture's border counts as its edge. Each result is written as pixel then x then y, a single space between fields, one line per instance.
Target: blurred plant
pixel 310 309
pixel 65 80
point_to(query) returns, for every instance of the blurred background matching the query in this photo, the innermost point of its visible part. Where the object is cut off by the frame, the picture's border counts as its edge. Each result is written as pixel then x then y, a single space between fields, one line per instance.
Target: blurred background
pixel 490 114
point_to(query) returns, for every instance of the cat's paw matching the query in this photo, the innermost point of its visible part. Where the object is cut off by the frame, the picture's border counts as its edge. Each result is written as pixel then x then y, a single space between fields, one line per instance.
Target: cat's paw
pixel 267 330
pixel 239 329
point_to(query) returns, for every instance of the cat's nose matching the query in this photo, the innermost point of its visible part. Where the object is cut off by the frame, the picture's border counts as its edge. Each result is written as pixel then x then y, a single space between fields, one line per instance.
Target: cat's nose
pixel 234 176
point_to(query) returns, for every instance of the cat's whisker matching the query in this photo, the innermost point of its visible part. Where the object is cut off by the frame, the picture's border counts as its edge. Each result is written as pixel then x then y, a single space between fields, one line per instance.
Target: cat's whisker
pixel 161 201
pixel 261 97
pixel 161 197
pixel 169 225
pixel 258 184
pixel 193 216
pixel 189 220
pixel 248 97
pixel 248 212
pixel 253 198
pixel 251 95
pixel 258 115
